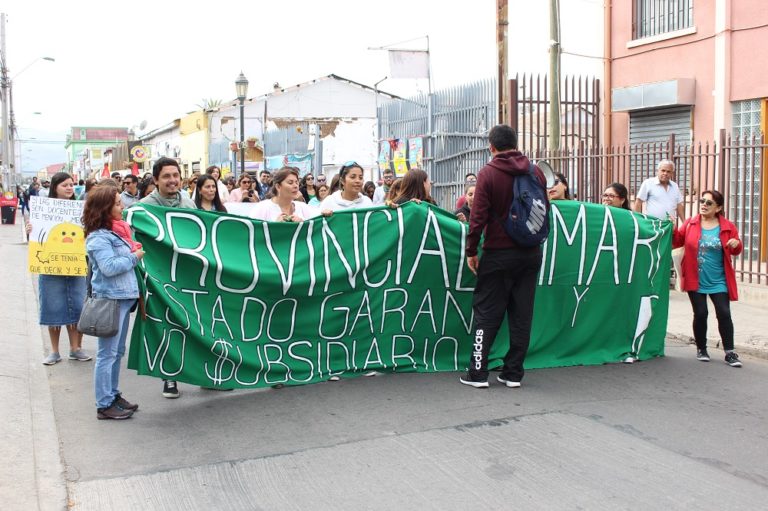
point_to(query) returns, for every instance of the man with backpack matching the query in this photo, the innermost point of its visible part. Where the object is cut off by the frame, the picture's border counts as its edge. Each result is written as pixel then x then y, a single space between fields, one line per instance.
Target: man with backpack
pixel 511 208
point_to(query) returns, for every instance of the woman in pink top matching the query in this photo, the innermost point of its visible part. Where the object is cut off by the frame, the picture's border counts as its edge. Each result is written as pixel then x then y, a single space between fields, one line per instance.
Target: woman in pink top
pixel 244 193
pixel 283 207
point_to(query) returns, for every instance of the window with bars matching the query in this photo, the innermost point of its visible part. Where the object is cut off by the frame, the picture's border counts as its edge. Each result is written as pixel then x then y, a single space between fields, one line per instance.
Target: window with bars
pixel 654 17
pixel 744 172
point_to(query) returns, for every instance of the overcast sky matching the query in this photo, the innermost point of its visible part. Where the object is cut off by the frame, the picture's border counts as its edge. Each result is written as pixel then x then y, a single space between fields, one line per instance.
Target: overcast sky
pixel 121 63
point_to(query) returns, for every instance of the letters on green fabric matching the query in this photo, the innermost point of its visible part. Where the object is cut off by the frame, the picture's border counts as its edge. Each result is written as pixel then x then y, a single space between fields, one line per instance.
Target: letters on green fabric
pixel 232 302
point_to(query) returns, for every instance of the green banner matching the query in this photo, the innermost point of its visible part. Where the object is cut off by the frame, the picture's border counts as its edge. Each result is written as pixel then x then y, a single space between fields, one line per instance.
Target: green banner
pixel 232 302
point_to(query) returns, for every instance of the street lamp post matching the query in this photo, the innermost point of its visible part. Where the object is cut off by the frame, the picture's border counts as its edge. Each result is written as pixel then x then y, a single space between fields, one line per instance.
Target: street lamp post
pixel 241 86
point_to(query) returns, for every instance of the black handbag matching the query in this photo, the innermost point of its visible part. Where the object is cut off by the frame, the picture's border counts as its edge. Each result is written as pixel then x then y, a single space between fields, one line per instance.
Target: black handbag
pixel 100 317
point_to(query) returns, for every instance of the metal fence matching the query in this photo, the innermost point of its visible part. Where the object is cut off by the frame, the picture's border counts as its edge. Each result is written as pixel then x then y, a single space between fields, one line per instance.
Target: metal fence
pixel 733 167
pixel 579 111
pixel 292 139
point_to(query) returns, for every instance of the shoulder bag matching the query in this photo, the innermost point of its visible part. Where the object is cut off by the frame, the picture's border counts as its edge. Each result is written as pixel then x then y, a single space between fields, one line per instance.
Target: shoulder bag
pixel 100 316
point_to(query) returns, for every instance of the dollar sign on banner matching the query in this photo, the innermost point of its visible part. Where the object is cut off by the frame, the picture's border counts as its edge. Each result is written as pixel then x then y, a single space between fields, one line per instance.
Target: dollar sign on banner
pixel 223 357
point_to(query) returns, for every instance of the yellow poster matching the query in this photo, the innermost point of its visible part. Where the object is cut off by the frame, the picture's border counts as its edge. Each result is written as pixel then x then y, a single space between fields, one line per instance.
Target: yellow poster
pixel 398 158
pixel 56 242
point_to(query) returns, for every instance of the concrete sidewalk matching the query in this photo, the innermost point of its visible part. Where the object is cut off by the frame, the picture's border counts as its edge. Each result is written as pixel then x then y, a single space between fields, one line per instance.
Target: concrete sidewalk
pixel 31 475
pixel 750 322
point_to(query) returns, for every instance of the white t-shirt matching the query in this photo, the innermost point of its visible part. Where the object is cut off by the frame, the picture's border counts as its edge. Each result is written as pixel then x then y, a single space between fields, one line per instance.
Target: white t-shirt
pixel 335 202
pixel 660 201
pixel 380 195
pixel 270 211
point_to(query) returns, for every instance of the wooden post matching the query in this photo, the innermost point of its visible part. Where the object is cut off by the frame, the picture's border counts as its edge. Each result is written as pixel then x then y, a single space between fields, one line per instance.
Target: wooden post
pixel 502 22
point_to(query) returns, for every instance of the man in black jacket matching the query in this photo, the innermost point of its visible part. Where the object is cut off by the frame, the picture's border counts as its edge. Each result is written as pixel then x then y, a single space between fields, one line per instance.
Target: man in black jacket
pixel 506 274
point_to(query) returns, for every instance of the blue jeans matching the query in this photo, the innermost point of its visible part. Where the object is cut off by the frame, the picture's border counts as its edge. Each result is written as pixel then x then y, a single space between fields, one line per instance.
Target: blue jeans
pixel 106 371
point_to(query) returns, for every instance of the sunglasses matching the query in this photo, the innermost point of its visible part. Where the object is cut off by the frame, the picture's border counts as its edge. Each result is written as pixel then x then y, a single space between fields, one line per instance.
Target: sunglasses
pixel 707 202
pixel 321 180
pixel 350 163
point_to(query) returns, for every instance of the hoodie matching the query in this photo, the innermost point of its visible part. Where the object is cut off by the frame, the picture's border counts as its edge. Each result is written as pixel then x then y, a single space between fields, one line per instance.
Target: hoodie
pixel 335 202
pixel 493 196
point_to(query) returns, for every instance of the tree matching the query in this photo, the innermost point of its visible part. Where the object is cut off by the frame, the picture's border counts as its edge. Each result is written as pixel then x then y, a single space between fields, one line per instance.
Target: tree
pixel 209 103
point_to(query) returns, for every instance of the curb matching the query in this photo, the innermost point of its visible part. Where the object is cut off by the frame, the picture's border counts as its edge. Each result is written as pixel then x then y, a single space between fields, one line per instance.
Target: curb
pixel 742 349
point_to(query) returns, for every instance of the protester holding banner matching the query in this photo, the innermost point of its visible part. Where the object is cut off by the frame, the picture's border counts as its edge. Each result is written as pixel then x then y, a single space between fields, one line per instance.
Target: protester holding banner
pixel 350 193
pixel 112 261
pixel 244 192
pixel 616 195
pixel 416 187
pixel 167 176
pixel 61 296
pixel 506 273
pixel 207 197
pixel 464 211
pixel 559 190
pixel 282 206
pixel 709 241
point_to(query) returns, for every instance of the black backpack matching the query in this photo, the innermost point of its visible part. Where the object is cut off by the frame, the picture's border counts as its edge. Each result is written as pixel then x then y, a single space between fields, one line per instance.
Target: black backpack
pixel 527 222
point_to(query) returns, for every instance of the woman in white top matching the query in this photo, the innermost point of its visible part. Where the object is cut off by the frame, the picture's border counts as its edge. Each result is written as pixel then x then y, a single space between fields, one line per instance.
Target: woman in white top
pixel 282 206
pixel 350 195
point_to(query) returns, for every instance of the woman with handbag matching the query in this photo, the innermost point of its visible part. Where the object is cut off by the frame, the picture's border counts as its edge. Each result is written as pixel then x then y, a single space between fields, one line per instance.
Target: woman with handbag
pixel 709 241
pixel 112 261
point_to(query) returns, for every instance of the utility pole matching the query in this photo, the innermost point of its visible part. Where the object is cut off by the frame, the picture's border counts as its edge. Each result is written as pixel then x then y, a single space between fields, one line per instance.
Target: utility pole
pixel 4 94
pixel 554 74
pixel 502 22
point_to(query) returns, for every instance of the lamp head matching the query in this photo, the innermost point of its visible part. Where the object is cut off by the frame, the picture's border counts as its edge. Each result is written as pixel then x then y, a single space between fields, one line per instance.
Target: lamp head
pixel 241 86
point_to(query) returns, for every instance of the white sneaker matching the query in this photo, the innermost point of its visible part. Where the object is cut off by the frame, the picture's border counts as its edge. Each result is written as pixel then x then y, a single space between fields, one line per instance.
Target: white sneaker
pixel 370 373
pixel 334 378
pixel 509 383
pixel 629 360
pixel 53 358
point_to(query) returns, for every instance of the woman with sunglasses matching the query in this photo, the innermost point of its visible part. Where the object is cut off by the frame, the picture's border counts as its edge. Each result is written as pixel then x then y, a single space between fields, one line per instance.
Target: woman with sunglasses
pixel 244 192
pixel 616 195
pixel 307 188
pixel 350 193
pixel 709 242
pixel 559 190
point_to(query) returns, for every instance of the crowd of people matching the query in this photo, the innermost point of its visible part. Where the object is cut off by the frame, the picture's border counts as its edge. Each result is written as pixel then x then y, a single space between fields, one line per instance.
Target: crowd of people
pixel 506 273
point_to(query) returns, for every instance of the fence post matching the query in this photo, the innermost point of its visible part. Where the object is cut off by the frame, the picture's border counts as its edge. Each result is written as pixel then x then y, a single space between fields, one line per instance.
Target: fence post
pixel 512 107
pixel 671 149
pixel 721 157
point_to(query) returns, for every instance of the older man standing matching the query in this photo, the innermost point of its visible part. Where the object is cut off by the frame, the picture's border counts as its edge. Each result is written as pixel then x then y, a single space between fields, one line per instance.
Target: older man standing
pixel 661 195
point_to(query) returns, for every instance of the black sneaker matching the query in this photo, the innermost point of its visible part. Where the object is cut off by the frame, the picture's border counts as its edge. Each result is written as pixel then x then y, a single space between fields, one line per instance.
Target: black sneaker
pixel 114 412
pixel 509 383
pixel 478 384
pixel 702 355
pixel 125 404
pixel 732 359
pixel 170 390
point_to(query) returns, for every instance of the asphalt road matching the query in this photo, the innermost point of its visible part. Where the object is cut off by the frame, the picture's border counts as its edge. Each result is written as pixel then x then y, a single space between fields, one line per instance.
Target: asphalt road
pixel 669 433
